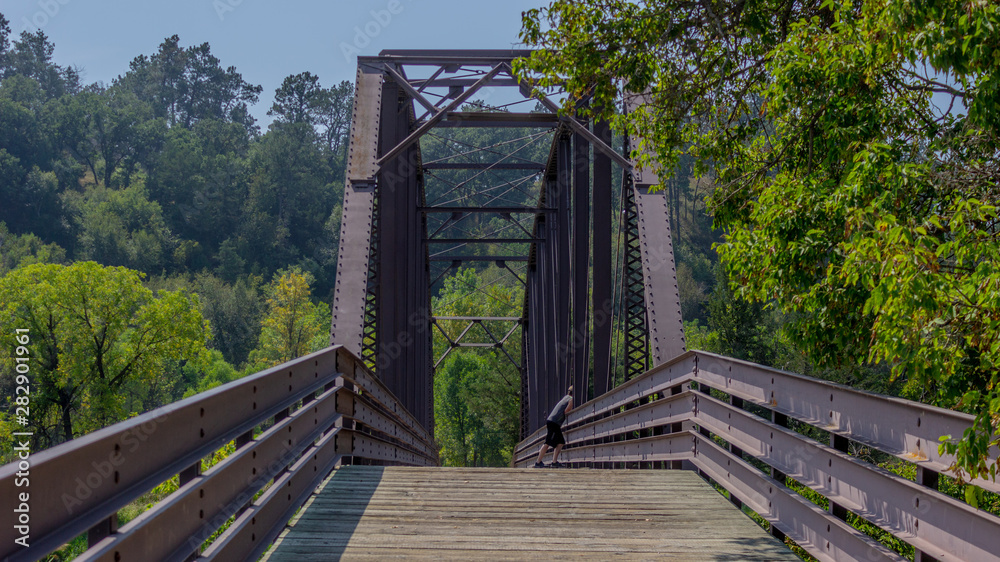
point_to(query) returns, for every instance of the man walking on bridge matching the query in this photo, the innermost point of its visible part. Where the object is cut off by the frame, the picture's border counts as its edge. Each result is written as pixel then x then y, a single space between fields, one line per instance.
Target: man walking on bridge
pixel 553 425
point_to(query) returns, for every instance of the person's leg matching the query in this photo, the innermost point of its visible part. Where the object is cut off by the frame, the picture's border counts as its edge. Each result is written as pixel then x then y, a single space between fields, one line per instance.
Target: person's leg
pixel 555 454
pixel 542 451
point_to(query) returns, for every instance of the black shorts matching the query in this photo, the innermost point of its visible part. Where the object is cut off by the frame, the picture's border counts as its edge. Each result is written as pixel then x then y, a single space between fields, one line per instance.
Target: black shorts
pixel 554 436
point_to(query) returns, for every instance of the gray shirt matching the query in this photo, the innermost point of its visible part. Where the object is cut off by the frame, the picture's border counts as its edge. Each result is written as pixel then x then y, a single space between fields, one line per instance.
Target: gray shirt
pixel 559 412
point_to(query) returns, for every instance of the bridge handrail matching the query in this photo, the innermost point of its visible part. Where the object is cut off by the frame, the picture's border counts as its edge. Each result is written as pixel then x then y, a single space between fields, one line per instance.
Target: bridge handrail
pixel 322 409
pixel 657 418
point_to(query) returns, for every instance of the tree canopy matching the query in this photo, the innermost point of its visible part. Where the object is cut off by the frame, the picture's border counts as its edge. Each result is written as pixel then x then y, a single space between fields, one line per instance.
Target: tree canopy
pixel 165 172
pixel 102 343
pixel 853 149
pixel 476 391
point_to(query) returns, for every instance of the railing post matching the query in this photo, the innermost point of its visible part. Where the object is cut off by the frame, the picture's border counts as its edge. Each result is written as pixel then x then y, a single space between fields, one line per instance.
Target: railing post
pixel 736 451
pixel 188 474
pixel 736 402
pixel 781 420
pixel 931 479
pixel 104 529
pixel 704 389
pixel 677 426
pixel 242 441
pixel 839 443
pixel 183 477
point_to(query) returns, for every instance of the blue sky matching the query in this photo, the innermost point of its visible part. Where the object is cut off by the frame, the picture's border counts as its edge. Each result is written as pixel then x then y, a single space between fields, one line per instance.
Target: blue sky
pixel 265 41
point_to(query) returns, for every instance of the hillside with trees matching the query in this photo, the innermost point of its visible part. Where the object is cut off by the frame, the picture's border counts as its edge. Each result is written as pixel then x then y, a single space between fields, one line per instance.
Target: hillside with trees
pixel 153 238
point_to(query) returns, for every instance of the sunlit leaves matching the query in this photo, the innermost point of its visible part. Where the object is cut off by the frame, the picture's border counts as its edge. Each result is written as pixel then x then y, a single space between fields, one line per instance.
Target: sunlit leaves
pixel 854 150
pixel 99 342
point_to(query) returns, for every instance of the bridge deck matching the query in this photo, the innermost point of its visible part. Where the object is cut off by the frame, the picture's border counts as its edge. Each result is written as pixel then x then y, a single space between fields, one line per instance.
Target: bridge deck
pixel 377 513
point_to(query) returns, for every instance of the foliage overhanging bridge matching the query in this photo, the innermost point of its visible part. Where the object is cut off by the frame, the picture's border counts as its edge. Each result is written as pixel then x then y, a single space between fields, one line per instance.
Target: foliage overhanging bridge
pixel 327 436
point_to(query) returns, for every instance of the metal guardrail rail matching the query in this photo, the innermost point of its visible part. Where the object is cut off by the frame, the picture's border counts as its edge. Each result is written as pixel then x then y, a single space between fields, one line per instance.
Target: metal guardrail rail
pixel 659 420
pixel 292 424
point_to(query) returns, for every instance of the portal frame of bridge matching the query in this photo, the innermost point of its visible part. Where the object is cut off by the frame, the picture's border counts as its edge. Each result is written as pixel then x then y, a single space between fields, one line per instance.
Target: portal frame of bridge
pixel 382 309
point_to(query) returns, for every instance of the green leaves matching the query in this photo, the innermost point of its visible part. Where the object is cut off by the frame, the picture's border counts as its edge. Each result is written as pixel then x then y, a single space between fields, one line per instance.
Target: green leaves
pixel 293 325
pixel 103 344
pixel 476 391
pixel 850 197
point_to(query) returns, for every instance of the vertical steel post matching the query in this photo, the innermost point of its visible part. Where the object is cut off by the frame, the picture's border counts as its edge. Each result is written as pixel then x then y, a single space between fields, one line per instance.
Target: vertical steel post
pixel 562 287
pixel 352 286
pixel 636 353
pixel 580 339
pixel 931 479
pixel 839 443
pixel 402 327
pixel 602 269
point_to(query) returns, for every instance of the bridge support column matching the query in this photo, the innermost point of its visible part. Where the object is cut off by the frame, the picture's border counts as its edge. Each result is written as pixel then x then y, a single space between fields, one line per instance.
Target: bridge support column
pixel 603 292
pixel 549 332
pixel 580 337
pixel 403 317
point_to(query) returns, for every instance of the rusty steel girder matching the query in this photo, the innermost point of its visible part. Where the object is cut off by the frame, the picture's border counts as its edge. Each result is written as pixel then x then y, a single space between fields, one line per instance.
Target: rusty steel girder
pixel 394 242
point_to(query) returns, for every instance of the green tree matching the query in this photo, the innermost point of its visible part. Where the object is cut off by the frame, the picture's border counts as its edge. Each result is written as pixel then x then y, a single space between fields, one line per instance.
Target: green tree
pixel 477 391
pixel 4 42
pixel 334 119
pixel 291 196
pixel 26 249
pixel 234 310
pixel 109 130
pixel 298 99
pixel 27 150
pixel 94 332
pixel 30 56
pixel 121 227
pixel 185 85
pixel 866 209
pixel 200 179
pixel 293 325
pixel 745 330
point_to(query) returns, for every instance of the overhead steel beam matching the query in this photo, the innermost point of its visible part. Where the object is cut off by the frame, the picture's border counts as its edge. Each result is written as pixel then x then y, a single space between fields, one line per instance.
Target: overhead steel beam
pixel 578 127
pixel 481 240
pixel 464 82
pixel 480 318
pixel 499 117
pixel 434 119
pixel 463 124
pixel 478 258
pixel 498 209
pixel 452 55
pixel 484 166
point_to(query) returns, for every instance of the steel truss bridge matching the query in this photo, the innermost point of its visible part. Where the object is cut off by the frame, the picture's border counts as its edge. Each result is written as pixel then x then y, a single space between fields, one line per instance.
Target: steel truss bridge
pixel 590 257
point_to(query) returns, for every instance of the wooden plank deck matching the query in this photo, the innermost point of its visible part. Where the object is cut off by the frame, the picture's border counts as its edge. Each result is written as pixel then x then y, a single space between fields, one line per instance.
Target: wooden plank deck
pixel 379 513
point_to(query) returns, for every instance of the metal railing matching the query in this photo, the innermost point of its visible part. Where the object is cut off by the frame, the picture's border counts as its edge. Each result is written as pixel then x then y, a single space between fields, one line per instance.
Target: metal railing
pixel 659 420
pixel 292 424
